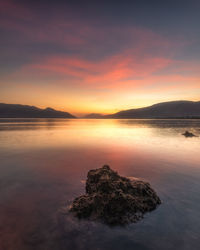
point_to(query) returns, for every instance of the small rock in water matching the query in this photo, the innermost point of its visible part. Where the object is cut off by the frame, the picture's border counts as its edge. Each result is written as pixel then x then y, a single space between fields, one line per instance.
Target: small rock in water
pixel 113 199
pixel 188 134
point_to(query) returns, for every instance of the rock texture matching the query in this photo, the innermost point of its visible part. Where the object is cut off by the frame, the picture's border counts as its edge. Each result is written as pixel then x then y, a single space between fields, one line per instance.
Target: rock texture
pixel 113 199
pixel 188 134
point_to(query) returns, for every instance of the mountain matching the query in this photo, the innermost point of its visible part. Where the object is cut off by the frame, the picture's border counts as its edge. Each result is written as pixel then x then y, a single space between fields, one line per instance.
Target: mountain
pixel 175 109
pixel 93 116
pixel 26 111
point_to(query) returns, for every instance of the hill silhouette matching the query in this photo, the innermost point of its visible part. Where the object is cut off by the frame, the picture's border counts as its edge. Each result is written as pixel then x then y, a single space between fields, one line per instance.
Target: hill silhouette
pixel 174 109
pixel 26 111
pixel 164 110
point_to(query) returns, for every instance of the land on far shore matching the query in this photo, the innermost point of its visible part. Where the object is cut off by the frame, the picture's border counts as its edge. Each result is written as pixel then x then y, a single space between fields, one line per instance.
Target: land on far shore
pixel 26 111
pixel 164 110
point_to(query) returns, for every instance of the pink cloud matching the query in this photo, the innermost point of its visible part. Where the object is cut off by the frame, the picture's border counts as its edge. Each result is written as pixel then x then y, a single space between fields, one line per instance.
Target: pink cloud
pixel 122 72
pixel 108 72
pixel 139 55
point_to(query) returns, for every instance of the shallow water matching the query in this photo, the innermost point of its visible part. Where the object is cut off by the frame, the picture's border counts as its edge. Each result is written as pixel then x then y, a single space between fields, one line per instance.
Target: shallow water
pixel 43 165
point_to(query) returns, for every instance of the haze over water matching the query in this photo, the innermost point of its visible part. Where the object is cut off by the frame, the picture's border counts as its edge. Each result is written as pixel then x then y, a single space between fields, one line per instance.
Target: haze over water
pixel 44 163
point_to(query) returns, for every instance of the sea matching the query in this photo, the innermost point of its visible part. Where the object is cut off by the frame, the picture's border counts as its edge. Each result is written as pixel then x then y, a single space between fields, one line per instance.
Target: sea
pixel 44 165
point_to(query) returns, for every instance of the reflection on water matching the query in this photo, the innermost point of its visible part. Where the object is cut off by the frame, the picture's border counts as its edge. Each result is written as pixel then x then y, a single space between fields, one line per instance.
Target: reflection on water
pixel 44 163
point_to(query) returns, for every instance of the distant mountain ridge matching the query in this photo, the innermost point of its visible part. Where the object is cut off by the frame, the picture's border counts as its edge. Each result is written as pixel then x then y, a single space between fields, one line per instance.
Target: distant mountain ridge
pixel 174 109
pixel 164 110
pixel 26 111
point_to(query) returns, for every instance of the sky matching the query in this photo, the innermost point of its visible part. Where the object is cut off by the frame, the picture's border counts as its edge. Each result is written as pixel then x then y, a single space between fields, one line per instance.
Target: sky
pixel 99 56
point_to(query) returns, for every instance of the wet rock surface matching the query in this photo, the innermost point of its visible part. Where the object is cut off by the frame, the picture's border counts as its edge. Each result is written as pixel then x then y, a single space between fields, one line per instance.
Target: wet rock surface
pixel 113 199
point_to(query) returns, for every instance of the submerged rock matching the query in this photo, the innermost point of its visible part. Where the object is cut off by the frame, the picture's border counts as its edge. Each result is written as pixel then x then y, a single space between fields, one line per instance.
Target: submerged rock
pixel 113 199
pixel 188 134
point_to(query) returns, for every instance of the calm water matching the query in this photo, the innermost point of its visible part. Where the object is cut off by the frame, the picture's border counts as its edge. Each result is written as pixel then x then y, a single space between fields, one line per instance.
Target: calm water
pixel 43 165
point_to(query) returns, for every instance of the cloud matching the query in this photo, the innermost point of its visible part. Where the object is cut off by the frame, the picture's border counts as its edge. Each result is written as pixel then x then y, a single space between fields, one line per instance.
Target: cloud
pixel 60 49
pixel 122 72
pixel 106 73
pixel 70 32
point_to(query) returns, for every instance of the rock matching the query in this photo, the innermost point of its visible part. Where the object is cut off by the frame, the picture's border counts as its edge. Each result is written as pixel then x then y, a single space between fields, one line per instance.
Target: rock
pixel 113 199
pixel 188 134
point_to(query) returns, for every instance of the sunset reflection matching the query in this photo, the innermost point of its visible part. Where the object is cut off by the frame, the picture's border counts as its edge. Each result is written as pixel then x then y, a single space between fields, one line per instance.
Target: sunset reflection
pixel 52 158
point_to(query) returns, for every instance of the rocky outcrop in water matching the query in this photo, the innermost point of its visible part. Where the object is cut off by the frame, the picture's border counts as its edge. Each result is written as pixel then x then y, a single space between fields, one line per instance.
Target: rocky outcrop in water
pixel 113 199
pixel 188 134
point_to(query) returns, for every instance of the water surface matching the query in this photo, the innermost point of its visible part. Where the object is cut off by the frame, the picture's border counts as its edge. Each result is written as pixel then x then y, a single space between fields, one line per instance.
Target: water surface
pixel 43 165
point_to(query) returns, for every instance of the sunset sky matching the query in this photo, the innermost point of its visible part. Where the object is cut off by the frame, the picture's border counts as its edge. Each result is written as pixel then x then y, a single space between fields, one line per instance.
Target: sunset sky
pixel 99 56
